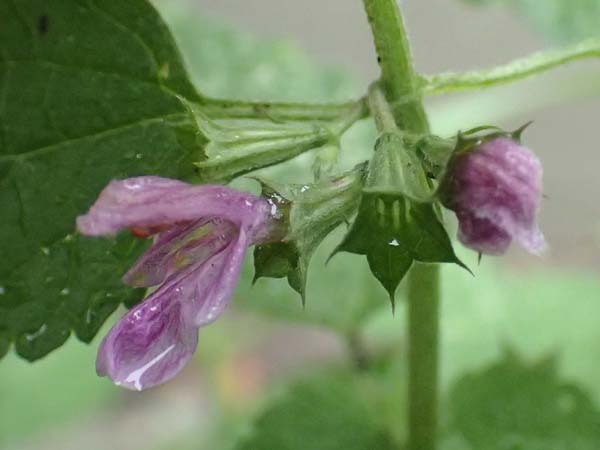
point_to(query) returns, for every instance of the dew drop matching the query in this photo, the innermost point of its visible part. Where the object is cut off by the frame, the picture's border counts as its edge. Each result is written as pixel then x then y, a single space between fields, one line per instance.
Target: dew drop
pixel 138 156
pixel 132 184
pixel 33 336
pixel 65 291
pixel 2 290
pixel 45 251
pixel 394 243
pixel 68 238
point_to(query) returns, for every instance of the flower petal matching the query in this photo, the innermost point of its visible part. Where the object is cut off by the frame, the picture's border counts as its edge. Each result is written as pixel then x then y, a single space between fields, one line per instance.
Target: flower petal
pixel 148 202
pixel 219 282
pixel 495 190
pixel 481 234
pixel 154 340
pixel 179 247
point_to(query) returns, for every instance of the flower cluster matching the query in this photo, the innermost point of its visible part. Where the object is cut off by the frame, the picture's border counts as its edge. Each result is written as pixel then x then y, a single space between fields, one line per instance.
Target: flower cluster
pixel 201 234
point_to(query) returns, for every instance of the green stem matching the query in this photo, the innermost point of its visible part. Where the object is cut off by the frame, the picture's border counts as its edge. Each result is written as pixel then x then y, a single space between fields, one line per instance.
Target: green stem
pixel 236 109
pixel 513 71
pixel 380 110
pixel 399 81
pixel 423 355
pixel 400 85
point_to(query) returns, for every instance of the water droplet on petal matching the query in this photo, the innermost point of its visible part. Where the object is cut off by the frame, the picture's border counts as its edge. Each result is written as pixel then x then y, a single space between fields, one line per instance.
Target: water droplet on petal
pixel 135 377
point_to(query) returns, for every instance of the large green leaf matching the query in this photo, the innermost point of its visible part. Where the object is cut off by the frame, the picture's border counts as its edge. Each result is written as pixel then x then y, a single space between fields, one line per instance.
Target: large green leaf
pixel 88 92
pixel 562 20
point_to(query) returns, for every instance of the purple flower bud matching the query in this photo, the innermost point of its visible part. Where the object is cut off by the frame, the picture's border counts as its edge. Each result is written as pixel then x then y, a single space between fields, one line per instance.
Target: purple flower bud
pixel 495 191
pixel 202 233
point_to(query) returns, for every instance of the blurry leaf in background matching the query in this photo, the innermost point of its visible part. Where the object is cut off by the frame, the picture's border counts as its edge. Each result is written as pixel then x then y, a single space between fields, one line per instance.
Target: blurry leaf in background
pixel 559 20
pixel 535 312
pixel 517 405
pixel 86 86
pixel 328 412
pixel 239 65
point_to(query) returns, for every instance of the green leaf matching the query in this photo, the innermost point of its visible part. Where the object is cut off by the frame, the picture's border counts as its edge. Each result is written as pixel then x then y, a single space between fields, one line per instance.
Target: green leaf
pixel 562 20
pixel 396 222
pixel 89 92
pixel 520 405
pixel 328 412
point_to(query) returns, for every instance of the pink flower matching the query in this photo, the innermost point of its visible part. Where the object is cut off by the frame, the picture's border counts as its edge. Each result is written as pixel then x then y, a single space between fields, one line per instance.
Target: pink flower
pixel 202 233
pixel 495 190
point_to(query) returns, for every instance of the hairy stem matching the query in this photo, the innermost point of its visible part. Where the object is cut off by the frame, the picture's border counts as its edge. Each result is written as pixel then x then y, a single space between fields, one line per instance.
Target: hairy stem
pixel 513 71
pixel 400 85
pixel 237 109
pixel 399 81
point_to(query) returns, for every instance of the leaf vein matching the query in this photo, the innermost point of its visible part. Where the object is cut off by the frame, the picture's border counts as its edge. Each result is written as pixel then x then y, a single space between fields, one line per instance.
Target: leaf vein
pixel 97 135
pixel 149 52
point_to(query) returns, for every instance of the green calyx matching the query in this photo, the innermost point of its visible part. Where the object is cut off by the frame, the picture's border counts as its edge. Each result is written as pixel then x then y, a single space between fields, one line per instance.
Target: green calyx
pixel 435 153
pixel 312 211
pixel 236 146
pixel 397 222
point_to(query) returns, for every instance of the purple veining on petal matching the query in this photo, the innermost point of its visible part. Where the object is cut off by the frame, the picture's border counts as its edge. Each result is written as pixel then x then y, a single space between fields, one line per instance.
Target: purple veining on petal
pixel 481 234
pixel 209 307
pixel 177 248
pixel 495 191
pixel 202 234
pixel 154 340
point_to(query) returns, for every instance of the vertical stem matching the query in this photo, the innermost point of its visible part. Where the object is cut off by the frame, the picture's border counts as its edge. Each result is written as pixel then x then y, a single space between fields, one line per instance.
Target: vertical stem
pixel 423 356
pixel 398 77
pixel 399 84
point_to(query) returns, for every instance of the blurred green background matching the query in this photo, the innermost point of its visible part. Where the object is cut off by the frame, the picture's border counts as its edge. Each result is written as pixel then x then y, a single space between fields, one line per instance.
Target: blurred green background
pixel 520 352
